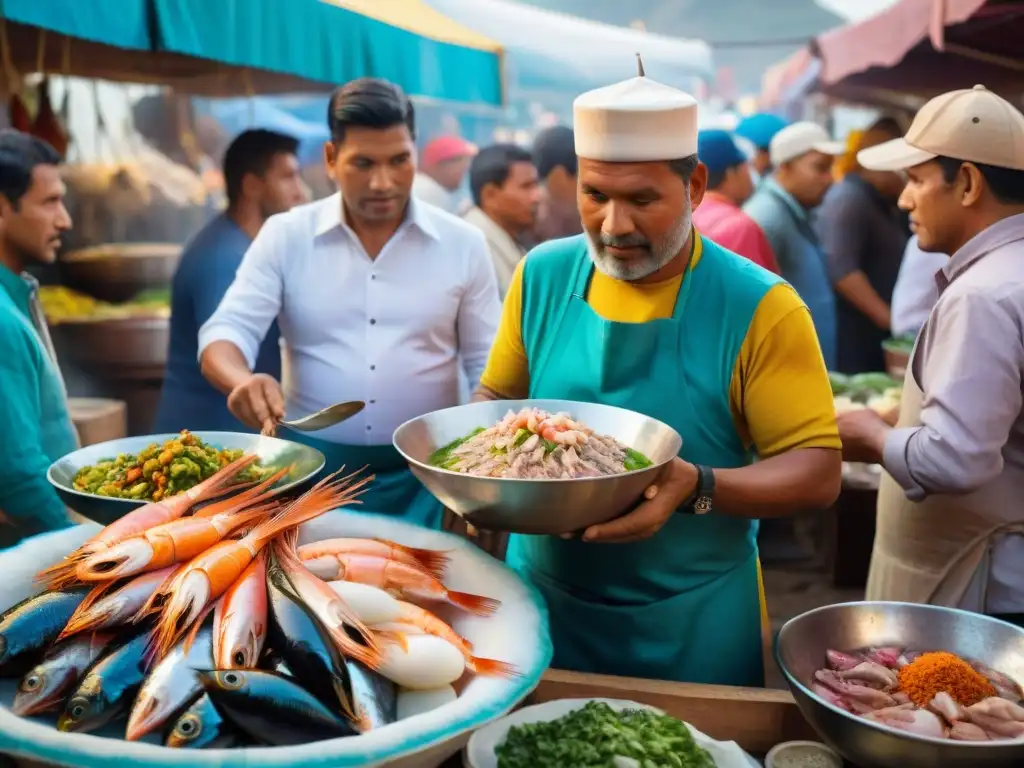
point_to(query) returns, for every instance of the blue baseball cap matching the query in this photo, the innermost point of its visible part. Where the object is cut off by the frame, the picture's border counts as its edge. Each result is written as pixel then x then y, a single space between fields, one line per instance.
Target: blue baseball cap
pixel 760 129
pixel 718 151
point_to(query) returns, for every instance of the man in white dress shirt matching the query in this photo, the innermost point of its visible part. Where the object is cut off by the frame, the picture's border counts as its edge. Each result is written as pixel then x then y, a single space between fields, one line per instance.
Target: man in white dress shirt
pixel 376 295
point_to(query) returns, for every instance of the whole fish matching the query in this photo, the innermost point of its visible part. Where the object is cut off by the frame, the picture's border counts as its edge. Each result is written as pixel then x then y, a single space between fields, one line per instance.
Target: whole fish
pixel 44 686
pixel 172 684
pixel 272 709
pixel 240 619
pixel 108 687
pixel 302 645
pixel 206 577
pixel 374 697
pixel 147 516
pixel 110 605
pixel 201 726
pixel 28 628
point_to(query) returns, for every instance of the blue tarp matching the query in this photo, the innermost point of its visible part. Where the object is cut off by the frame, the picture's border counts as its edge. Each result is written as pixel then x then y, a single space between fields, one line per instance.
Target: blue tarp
pixel 309 39
pixel 237 115
pixel 325 43
pixel 120 23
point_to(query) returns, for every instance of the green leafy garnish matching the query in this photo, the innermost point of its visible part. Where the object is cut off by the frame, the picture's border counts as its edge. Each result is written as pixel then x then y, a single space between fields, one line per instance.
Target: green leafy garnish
pixel 442 456
pixel 636 460
pixel 592 737
pixel 522 435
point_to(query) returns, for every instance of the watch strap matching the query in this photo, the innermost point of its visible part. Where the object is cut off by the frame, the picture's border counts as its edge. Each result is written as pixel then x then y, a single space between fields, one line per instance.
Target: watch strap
pixel 700 501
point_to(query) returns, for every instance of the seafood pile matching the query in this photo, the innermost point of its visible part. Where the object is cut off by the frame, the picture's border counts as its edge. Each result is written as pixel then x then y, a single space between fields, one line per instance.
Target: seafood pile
pixel 934 694
pixel 539 445
pixel 200 620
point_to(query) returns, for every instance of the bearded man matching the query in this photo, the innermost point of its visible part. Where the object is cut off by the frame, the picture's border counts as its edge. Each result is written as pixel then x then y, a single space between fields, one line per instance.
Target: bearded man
pixel 643 313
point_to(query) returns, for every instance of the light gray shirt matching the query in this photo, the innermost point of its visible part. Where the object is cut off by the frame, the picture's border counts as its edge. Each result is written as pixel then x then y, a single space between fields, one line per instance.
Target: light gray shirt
pixel 969 367
pixel 916 291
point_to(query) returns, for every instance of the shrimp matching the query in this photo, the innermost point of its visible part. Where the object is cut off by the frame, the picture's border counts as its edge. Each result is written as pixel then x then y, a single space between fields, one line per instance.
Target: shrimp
pixel 320 556
pixel 111 604
pixel 334 615
pixel 430 624
pixel 185 597
pixel 176 541
pixel 405 581
pixel 63 574
pixel 240 619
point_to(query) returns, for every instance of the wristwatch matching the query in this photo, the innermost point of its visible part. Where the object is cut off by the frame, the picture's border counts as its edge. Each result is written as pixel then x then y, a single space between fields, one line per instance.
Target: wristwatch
pixel 703 495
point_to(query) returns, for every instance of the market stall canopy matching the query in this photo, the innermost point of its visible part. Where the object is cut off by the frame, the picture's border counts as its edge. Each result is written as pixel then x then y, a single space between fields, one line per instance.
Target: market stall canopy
pixel 926 47
pixel 549 51
pixel 229 47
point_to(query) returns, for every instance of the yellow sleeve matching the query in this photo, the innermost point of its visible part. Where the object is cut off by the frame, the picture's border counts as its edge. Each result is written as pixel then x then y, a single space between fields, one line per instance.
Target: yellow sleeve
pixel 780 393
pixel 508 371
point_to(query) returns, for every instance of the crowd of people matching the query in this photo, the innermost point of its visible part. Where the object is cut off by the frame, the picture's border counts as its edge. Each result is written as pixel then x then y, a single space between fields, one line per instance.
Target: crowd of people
pixel 668 273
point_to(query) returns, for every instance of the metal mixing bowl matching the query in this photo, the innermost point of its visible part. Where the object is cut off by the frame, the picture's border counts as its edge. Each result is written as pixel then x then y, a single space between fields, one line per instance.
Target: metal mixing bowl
pixel 800 651
pixel 273 452
pixel 536 506
pixel 117 272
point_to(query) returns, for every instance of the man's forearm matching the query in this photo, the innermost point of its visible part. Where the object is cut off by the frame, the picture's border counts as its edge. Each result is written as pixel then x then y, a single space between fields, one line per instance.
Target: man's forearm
pixel 484 394
pixel 856 289
pixel 224 366
pixel 795 481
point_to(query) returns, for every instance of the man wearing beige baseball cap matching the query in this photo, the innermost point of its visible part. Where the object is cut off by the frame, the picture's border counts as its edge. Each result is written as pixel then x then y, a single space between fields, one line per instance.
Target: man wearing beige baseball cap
pixel 802 156
pixel 950 520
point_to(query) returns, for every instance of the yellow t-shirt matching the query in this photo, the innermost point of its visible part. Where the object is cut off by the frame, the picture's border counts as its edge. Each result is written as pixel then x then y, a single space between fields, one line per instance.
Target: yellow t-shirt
pixel 780 393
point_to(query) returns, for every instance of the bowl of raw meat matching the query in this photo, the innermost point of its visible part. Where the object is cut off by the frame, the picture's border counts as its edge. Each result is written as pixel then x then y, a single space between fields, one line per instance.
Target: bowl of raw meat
pixel 901 685
pixel 537 466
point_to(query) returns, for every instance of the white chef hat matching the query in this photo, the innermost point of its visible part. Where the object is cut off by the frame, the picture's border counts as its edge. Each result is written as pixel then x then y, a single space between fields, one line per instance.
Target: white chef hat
pixel 637 120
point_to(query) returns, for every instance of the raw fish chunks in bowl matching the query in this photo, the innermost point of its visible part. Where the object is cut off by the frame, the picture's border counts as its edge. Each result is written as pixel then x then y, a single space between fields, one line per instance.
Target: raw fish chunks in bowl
pixel 514 630
pixel 908 737
pixel 537 466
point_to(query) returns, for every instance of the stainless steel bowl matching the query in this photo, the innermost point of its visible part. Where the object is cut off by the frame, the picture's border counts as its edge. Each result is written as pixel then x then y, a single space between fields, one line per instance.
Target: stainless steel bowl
pixel 536 506
pixel 800 651
pixel 273 452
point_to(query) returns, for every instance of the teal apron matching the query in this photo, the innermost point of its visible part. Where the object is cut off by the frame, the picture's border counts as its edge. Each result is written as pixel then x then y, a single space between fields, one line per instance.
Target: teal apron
pixel 395 490
pixel 683 605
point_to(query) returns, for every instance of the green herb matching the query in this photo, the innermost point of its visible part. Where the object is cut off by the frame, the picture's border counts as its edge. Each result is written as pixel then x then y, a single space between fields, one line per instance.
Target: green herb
pixel 592 737
pixel 522 435
pixel 442 456
pixel 549 446
pixel 636 460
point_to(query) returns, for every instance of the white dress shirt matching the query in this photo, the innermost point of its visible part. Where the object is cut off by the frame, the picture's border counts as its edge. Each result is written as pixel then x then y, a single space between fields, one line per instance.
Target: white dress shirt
pixel 388 331
pixel 916 291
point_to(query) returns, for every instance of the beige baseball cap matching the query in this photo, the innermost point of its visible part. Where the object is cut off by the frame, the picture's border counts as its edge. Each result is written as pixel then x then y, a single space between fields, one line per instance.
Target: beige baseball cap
pixel 800 138
pixel 974 125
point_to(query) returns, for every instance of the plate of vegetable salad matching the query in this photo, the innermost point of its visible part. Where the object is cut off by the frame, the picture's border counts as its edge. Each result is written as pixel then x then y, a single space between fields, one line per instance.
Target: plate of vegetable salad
pixel 161 470
pixel 595 733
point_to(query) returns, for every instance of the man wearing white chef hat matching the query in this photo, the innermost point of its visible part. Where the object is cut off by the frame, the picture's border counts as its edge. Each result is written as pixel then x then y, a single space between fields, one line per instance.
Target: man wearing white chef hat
pixel 643 313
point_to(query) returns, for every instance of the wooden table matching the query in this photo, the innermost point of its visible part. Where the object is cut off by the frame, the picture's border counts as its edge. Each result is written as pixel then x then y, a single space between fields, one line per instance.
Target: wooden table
pixel 755 718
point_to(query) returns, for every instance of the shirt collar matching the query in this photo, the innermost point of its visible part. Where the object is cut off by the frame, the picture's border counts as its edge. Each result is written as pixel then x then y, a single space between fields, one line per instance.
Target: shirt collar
pixel 772 186
pixel 328 217
pixel 19 287
pixel 1009 230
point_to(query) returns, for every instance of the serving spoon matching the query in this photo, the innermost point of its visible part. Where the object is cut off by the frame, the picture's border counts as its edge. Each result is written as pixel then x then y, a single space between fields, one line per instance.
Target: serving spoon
pixel 326 417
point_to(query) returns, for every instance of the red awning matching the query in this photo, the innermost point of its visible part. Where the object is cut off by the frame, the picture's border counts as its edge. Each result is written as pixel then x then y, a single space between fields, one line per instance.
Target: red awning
pixel 884 40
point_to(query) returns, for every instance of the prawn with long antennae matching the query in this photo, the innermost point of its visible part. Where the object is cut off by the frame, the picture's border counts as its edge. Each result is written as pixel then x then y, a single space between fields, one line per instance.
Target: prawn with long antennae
pixel 63 574
pixel 183 599
pixel 335 616
pixel 176 541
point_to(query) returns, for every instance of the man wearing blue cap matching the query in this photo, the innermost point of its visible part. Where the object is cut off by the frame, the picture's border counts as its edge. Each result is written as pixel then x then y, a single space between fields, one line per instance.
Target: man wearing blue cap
pixel 719 216
pixel 759 130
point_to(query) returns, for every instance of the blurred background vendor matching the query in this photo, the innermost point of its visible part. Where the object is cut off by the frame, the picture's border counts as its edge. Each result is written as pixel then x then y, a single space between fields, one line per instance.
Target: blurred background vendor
pixel 641 312
pixel 35 426
pixel 261 174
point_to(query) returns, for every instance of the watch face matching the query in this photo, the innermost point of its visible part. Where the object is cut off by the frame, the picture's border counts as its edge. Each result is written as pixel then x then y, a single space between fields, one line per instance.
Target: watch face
pixel 703 505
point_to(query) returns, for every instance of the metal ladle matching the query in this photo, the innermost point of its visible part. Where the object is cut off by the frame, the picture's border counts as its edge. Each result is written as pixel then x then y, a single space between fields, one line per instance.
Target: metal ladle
pixel 327 417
